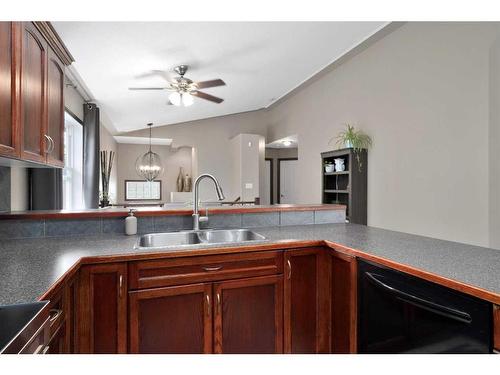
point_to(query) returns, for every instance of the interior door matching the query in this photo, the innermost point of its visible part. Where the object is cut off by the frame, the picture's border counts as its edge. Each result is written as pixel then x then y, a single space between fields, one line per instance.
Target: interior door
pixel 248 316
pixel 33 91
pixel 288 181
pixel 171 320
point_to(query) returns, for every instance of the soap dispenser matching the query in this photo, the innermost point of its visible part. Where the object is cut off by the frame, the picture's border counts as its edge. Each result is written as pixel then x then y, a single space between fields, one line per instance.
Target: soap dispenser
pixel 131 223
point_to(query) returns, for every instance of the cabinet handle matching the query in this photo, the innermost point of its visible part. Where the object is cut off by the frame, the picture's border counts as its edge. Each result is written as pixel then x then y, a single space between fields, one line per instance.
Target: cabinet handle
pixel 289 269
pixel 211 269
pixel 218 303
pixel 54 314
pixel 47 146
pixel 208 304
pixel 120 286
pixel 52 144
pixel 41 349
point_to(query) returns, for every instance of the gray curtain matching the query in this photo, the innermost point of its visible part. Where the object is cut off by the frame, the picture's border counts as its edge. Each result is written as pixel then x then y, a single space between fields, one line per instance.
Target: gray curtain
pixel 91 145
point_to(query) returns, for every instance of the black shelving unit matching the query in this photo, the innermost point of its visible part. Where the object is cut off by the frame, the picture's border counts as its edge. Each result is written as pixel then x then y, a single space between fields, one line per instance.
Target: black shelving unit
pixel 347 187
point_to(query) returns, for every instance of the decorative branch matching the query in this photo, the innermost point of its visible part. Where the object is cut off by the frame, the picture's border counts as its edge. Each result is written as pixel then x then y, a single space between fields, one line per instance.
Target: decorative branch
pixel 107 159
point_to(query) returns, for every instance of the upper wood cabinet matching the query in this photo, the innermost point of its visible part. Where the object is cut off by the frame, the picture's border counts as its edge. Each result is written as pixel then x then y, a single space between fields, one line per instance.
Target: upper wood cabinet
pixel 248 316
pixel 9 71
pixel 307 308
pixel 32 93
pixel 55 110
pixel 102 309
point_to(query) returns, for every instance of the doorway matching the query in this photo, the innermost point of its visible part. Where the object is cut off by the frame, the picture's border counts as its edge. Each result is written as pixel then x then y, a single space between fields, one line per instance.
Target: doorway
pixel 268 182
pixel 287 178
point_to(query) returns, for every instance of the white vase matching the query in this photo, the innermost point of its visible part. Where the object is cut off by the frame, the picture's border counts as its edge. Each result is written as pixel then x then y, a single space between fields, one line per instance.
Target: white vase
pixel 339 165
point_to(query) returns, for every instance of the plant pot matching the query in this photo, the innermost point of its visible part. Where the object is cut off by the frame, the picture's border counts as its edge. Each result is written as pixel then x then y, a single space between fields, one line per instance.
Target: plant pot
pixel 348 144
pixel 329 168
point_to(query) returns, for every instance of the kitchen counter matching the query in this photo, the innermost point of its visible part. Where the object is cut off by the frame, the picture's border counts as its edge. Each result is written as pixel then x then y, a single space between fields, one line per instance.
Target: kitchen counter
pixel 29 267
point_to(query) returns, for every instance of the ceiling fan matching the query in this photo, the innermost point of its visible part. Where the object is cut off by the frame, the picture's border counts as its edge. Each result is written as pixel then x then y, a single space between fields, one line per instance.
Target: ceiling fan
pixel 183 89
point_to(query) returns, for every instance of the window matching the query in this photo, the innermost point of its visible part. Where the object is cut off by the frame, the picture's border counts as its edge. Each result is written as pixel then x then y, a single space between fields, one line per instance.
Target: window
pixel 137 190
pixel 73 163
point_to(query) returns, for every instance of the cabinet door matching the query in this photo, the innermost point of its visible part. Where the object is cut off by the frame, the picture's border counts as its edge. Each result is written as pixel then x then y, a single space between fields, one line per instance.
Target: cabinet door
pixel 55 110
pixel 33 91
pixel 102 309
pixel 171 320
pixel 9 71
pixel 307 302
pixel 344 303
pixel 248 315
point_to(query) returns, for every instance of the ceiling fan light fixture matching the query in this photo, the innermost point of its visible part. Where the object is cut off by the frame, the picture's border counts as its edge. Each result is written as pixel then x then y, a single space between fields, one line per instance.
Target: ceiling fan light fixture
pixel 187 99
pixel 175 98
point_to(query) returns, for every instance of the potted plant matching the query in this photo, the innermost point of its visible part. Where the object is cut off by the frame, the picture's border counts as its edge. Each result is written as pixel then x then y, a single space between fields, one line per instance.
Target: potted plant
pixel 107 158
pixel 355 139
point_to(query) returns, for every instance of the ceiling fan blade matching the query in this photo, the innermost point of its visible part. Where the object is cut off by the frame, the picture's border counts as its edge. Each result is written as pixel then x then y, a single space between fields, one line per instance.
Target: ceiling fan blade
pixel 208 97
pixel 148 88
pixel 212 83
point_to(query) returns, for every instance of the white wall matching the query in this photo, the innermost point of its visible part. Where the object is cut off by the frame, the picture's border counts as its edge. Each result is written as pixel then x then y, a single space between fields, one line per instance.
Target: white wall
pixel 248 157
pixel 422 94
pixel 172 160
pixel 19 198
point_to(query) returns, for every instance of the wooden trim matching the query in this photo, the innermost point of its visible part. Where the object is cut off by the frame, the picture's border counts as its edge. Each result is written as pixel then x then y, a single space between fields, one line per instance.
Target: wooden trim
pixel 123 212
pixel 496 327
pixel 278 198
pixel 55 42
pixel 139 200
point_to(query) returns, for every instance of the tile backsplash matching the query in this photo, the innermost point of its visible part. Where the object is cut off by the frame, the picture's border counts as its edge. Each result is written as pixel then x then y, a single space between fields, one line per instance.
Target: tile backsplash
pixel 13 229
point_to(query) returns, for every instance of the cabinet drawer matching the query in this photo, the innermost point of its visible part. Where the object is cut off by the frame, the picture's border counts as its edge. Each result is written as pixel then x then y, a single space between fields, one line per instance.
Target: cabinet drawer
pixel 167 272
pixel 56 312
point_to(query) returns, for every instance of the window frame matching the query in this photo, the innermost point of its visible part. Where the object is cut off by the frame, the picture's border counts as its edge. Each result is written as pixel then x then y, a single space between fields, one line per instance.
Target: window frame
pixel 145 199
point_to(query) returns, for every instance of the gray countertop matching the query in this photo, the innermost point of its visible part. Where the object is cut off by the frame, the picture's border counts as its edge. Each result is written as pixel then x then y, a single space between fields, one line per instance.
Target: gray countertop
pixel 28 267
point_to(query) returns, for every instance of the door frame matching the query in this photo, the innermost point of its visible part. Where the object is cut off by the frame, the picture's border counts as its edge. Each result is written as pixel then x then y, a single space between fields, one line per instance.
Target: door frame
pixel 278 200
pixel 271 195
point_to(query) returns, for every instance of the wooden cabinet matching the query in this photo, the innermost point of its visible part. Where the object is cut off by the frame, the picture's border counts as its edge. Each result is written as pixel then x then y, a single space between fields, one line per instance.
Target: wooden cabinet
pixel 102 309
pixel 344 303
pixel 171 320
pixel 31 93
pixel 307 308
pixel 9 71
pixel 248 315
pixel 55 110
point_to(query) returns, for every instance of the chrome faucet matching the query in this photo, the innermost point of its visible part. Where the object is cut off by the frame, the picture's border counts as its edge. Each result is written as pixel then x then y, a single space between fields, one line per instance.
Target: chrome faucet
pixel 196 214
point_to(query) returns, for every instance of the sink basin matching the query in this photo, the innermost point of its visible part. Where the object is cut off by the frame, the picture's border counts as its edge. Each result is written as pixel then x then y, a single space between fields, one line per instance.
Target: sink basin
pixel 223 236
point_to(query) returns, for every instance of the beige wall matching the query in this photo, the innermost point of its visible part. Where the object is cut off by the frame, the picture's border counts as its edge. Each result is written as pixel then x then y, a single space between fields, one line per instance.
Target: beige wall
pixel 172 160
pixel 211 139
pixel 422 94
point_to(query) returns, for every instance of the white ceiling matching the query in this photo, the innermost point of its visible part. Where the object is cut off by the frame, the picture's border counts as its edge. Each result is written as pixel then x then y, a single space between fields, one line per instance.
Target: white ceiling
pixel 143 140
pixel 259 61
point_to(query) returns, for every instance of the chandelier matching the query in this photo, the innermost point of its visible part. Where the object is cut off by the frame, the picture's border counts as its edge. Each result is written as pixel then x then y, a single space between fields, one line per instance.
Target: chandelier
pixel 148 166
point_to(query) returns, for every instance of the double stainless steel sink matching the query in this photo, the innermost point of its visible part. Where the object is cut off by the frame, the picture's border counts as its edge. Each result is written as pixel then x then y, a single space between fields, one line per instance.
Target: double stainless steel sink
pixel 175 239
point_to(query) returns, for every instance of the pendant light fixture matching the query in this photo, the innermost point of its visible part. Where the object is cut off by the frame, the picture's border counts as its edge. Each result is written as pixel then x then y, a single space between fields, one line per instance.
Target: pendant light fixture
pixel 148 166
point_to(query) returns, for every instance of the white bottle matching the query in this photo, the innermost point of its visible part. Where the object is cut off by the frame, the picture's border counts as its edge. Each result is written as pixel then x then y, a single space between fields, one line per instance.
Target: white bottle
pixel 131 223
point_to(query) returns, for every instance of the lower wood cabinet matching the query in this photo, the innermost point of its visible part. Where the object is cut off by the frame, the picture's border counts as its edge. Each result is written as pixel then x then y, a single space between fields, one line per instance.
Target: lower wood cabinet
pixel 344 303
pixel 102 309
pixel 248 315
pixel 173 320
pixel 496 328
pixel 307 297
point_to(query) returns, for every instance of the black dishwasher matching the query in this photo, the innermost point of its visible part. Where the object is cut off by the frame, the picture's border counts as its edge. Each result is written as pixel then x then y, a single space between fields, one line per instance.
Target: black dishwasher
pixel 399 313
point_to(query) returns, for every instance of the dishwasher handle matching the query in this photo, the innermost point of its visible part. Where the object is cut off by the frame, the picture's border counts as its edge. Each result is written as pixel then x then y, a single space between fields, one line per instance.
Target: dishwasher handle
pixel 420 302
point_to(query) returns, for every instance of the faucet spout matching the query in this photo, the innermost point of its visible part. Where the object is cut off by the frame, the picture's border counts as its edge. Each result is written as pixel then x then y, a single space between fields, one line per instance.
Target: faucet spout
pixel 218 190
